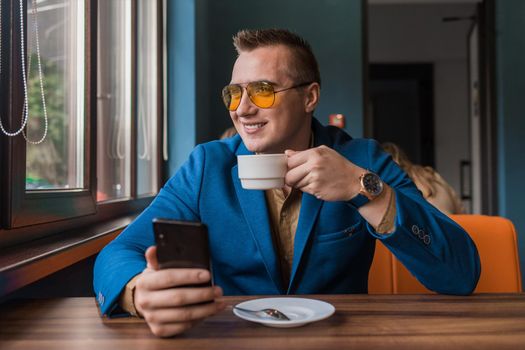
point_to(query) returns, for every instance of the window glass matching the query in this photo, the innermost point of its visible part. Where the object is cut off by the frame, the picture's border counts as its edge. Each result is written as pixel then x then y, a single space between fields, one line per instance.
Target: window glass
pixel 114 109
pixel 147 97
pixel 57 162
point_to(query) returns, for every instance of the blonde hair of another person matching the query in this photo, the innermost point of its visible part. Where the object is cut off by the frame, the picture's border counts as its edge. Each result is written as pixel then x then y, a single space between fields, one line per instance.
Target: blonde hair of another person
pixel 433 187
pixel 228 133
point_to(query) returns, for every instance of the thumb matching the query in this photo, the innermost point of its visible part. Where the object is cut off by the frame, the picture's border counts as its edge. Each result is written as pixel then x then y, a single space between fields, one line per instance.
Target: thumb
pixel 151 257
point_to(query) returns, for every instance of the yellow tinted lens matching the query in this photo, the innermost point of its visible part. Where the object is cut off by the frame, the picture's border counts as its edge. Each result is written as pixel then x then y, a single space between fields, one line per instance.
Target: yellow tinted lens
pixel 231 96
pixel 261 94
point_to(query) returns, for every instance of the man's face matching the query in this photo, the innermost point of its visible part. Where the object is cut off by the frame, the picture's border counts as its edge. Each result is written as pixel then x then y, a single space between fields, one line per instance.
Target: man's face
pixel 285 125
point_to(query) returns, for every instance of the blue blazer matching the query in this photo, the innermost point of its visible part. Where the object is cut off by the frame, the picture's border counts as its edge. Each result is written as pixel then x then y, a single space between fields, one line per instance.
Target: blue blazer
pixel 333 248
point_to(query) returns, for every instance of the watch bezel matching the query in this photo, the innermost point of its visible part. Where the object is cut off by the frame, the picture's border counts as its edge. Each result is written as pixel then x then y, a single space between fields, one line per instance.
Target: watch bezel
pixel 367 189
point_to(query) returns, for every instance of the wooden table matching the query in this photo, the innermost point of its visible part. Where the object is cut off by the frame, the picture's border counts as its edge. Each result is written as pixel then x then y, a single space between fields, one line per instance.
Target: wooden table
pixel 490 321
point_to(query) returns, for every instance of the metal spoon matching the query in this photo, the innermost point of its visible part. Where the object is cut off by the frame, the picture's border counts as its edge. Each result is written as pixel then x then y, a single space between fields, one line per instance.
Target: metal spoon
pixel 266 313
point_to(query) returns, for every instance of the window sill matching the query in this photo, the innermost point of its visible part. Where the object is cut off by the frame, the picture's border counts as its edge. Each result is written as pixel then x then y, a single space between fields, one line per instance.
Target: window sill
pixel 26 263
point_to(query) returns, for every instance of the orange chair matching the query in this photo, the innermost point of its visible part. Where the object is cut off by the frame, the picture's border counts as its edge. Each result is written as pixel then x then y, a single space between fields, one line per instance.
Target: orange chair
pixel 495 238
pixel 380 274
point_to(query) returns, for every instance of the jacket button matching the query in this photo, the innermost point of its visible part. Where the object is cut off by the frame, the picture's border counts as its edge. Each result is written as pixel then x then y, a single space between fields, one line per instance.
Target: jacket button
pixel 426 239
pixel 415 229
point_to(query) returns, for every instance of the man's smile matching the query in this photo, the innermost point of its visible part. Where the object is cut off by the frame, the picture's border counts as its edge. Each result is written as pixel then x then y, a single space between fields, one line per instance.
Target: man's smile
pixel 251 128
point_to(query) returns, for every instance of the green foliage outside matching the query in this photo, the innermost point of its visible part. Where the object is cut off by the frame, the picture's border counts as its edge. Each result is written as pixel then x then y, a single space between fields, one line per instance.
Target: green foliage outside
pixel 47 161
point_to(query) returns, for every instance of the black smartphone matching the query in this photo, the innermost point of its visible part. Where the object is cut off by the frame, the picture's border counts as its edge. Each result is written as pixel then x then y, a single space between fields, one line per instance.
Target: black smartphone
pixel 182 244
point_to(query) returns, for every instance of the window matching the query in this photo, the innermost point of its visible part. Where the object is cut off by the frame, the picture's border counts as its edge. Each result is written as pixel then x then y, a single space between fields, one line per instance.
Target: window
pixel 94 75
pixel 58 161
pixel 148 104
pixel 114 107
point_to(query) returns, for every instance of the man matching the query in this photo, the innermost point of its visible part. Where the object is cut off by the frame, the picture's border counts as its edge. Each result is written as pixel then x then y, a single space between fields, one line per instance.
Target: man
pixel 316 235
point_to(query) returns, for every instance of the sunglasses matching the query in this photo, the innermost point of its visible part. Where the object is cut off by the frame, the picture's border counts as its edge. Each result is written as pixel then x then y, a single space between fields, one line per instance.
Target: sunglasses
pixel 261 93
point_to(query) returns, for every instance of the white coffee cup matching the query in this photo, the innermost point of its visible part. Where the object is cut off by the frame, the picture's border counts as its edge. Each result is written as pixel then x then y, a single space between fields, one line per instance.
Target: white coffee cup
pixel 262 171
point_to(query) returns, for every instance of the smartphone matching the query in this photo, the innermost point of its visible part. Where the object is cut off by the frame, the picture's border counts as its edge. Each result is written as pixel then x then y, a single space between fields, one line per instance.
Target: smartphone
pixel 182 244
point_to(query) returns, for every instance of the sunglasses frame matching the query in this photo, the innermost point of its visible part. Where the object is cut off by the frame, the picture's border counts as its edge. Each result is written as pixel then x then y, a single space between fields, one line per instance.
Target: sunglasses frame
pixel 247 86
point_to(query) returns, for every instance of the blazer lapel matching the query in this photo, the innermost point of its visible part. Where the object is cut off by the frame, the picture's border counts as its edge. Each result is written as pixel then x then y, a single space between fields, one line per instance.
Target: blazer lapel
pixel 310 207
pixel 253 205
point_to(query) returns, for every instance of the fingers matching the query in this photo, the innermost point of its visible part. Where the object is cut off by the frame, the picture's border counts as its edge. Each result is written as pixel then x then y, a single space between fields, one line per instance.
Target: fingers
pixel 170 329
pixel 151 258
pixel 295 158
pixel 304 167
pixel 295 175
pixel 313 157
pixel 176 297
pixel 297 169
pixel 169 278
pixel 184 314
pixel 169 322
pixel 303 184
pixel 168 310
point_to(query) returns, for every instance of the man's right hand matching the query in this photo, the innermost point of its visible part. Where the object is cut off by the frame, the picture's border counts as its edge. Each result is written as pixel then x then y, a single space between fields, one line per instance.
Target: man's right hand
pixel 166 305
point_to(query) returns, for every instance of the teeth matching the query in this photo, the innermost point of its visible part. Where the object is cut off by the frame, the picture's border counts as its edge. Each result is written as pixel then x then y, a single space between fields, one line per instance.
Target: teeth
pixel 254 126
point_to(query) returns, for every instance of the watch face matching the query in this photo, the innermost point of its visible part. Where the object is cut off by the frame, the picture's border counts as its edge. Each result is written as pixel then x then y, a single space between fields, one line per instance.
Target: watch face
pixel 372 184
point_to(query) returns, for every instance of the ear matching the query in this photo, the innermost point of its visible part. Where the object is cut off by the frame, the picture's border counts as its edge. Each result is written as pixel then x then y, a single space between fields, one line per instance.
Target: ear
pixel 311 97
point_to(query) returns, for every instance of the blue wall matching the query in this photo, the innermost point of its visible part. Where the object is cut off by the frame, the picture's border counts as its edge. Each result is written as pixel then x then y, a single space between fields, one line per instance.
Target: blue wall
pixel 182 85
pixel 510 71
pixel 201 56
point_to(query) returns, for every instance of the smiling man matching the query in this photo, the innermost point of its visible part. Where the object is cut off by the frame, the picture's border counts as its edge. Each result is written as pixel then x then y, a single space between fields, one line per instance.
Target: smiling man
pixel 316 235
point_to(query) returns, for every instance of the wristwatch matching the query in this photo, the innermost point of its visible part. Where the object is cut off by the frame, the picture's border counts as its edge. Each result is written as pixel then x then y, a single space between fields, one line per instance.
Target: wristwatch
pixel 371 187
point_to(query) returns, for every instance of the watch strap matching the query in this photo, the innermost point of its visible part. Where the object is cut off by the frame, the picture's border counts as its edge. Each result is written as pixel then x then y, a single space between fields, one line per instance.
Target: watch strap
pixel 358 201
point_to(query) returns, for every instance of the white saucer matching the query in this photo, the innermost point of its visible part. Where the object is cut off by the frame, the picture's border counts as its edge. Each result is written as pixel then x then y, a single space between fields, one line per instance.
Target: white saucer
pixel 300 311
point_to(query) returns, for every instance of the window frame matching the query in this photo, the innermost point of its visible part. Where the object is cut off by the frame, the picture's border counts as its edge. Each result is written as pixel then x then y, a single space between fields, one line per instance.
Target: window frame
pixel 35 207
pixel 26 215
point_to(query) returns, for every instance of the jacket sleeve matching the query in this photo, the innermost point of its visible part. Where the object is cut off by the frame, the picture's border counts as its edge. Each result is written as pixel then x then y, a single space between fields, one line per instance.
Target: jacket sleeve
pixel 123 258
pixel 436 250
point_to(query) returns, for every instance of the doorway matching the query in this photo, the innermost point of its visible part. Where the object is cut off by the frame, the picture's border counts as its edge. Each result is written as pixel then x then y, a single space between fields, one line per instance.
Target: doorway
pixel 407 35
pixel 401 97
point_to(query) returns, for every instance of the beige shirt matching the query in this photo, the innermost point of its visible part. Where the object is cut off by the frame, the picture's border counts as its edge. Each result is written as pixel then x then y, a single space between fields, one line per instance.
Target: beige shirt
pixel 284 216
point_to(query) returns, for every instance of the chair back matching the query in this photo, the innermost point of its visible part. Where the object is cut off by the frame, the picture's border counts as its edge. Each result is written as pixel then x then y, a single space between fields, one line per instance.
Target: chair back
pixel 380 274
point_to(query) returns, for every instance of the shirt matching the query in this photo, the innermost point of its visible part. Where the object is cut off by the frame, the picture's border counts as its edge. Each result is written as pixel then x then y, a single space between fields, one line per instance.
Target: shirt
pixel 284 216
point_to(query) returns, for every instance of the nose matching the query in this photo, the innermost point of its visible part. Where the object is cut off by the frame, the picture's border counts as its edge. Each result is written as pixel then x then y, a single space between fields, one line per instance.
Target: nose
pixel 246 107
